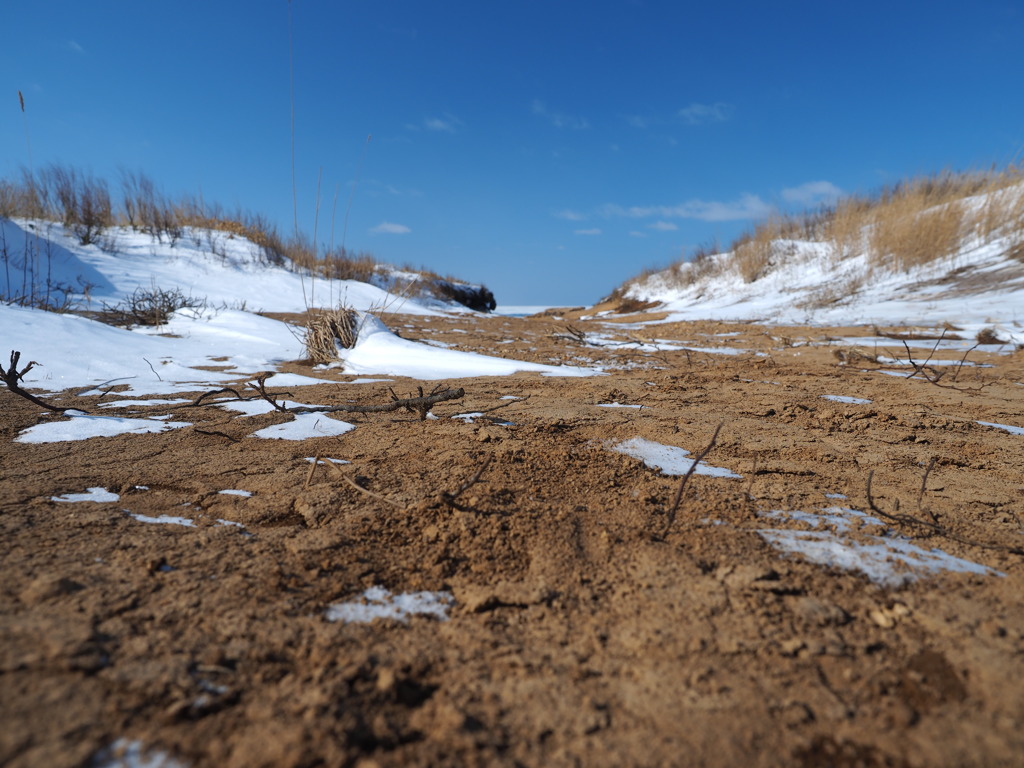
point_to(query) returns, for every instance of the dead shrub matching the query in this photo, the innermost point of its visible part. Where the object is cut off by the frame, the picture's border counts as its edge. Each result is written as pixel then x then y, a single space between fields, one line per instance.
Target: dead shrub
pixel 148 307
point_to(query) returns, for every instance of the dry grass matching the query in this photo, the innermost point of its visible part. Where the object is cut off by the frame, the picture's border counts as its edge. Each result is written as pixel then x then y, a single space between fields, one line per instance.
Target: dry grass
pixel 326 330
pixel 898 228
pixel 84 204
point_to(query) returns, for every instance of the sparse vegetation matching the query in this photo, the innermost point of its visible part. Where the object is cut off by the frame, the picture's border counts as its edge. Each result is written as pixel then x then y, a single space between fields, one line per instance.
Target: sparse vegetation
pixel 149 307
pixel 898 228
pixel 28 279
pixel 84 205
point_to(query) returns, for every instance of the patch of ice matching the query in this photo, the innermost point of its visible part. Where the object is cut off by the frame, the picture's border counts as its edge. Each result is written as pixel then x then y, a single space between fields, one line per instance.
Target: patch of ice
pixel 311 459
pixel 617 405
pixel 846 399
pixel 890 560
pixel 81 426
pixel 669 459
pixel 835 495
pixel 230 523
pixel 99 495
pixel 163 520
pixel 898 361
pixel 1011 429
pixel 379 603
pixel 722 351
pixel 364 380
pixel 127 403
pixel 839 518
pixel 304 426
pixel 235 492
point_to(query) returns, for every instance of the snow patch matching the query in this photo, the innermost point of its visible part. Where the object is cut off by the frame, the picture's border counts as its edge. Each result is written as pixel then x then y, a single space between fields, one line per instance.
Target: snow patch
pixel 846 399
pixel 163 520
pixel 304 426
pixel 1011 429
pixel 81 426
pixel 889 559
pixel 98 495
pixel 379 603
pixel 669 459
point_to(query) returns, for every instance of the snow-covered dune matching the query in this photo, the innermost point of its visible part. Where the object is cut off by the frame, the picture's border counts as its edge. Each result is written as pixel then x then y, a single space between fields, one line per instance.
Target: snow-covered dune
pixel 981 286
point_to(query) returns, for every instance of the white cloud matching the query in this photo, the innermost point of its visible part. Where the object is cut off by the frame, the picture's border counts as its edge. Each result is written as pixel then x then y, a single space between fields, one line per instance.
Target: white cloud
pixel 664 226
pixel 390 228
pixel 637 233
pixel 594 231
pixel 638 121
pixel 812 193
pixel 445 124
pixel 74 46
pixel 569 215
pixel 699 114
pixel 747 207
pixel 558 119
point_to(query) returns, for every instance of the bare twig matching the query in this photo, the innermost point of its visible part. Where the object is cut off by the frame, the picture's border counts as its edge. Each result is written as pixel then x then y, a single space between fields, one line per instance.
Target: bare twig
pixel 924 486
pixel 354 484
pixel 212 392
pixel 498 407
pixel 215 433
pixel 420 405
pixel 471 482
pixel 153 369
pixel 682 484
pixel 12 378
pixel 574 334
pixel 933 528
pixel 962 360
pixel 312 469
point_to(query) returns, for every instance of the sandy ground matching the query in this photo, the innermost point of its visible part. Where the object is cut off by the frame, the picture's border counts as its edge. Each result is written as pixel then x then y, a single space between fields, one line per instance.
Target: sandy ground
pixel 590 623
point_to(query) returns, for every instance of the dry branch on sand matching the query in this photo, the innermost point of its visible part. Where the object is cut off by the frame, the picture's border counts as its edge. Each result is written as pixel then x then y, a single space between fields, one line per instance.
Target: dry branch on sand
pixel 421 404
pixel 12 376
pixel 671 515
pixel 929 527
pixel 442 499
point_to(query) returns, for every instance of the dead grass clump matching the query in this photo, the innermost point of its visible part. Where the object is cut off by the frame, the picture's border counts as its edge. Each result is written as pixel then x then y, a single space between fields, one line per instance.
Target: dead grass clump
pixel 326 330
pixel 989 336
pixel 754 254
pixel 916 223
pixel 844 227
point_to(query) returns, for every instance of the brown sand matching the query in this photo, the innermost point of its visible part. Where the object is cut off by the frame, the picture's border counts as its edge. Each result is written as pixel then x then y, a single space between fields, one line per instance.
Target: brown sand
pixel 584 630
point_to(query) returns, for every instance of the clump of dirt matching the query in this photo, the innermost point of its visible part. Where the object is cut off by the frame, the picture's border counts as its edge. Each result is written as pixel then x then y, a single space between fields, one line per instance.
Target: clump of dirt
pixel 582 628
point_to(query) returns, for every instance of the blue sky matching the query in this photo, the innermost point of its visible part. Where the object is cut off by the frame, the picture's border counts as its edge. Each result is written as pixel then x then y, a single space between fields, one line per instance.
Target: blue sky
pixel 548 149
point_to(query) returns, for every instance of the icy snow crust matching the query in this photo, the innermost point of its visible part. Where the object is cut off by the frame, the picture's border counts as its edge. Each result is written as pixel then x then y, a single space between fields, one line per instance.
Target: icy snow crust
pixel 889 559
